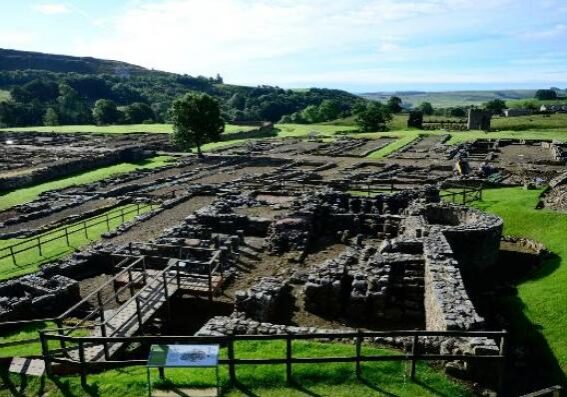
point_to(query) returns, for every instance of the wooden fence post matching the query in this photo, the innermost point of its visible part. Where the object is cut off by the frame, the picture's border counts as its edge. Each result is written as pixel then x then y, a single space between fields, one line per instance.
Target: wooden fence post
pixel 231 364
pixel 288 356
pixel 107 223
pixel 39 245
pixel 414 347
pixel 67 236
pixel 166 295
pixel 139 315
pixel 137 208
pixel 130 283
pixel 358 349
pixel 82 363
pixel 502 369
pixel 45 354
pixel 85 229
pixel 13 256
pixel 122 214
pixel 103 326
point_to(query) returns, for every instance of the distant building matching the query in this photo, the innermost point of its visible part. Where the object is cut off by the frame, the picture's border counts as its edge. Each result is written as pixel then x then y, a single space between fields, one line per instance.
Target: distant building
pixel 517 112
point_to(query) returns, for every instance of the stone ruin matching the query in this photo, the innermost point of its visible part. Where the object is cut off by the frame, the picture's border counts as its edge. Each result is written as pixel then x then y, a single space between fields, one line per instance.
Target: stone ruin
pixel 479 119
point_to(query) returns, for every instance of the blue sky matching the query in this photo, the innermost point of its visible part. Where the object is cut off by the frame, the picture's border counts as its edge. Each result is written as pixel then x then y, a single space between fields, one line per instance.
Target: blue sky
pixel 358 45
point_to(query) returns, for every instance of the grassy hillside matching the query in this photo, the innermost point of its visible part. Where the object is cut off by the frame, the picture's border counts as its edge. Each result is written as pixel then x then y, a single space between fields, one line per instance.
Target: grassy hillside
pixel 537 313
pixel 451 98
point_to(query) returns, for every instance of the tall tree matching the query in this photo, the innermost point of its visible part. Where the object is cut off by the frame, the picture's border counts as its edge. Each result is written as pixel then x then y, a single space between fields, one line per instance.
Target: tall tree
pixel 394 104
pixel 373 117
pixel 50 118
pixel 544 95
pixel 426 108
pixel 196 120
pixel 138 112
pixel 496 106
pixel 105 112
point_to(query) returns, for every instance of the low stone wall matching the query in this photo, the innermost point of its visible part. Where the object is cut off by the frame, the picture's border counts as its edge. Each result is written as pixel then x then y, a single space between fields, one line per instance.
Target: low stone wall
pixel 262 301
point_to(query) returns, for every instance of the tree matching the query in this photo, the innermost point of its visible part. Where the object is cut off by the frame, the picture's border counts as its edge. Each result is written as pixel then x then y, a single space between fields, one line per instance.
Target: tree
pixel 329 110
pixel 373 117
pixel 394 104
pixel 196 120
pixel 50 118
pixel 457 112
pixel 311 114
pixel 105 112
pixel 426 108
pixel 138 113
pixel 545 95
pixel 496 106
pixel 72 109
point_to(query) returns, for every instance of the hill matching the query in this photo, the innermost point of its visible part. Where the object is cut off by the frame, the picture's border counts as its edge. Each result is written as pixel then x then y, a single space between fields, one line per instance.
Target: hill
pixel 70 86
pixel 23 60
pixel 447 99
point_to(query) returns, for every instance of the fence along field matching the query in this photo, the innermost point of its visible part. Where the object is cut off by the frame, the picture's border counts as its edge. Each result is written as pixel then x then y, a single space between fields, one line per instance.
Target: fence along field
pixel 23 256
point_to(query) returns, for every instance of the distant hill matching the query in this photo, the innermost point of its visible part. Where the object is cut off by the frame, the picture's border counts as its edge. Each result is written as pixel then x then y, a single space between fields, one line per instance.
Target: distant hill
pixel 22 60
pixel 450 98
pixel 31 83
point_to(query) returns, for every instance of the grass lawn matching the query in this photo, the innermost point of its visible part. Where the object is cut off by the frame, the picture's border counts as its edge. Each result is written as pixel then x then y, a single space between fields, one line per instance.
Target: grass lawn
pixel 29 261
pixel 303 130
pixel 539 309
pixel 118 129
pixel 380 378
pixel 27 194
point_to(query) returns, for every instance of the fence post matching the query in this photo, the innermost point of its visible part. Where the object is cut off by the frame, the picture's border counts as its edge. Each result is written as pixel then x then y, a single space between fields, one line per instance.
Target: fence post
pixel 130 284
pixel 166 294
pixel 178 275
pixel 103 326
pixel 82 363
pixel 358 348
pixel 67 236
pixel 13 256
pixel 144 271
pixel 39 245
pixel 231 366
pixel 288 355
pixel 60 332
pixel 501 383
pixel 85 229
pixel 107 223
pixel 137 208
pixel 122 214
pixel 139 314
pixel 413 353
pixel 45 354
pixel 210 281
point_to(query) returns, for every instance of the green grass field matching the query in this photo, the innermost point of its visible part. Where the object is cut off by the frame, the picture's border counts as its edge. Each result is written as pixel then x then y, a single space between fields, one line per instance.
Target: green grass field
pixel 118 129
pixel 381 378
pixel 29 260
pixel 27 194
pixel 539 309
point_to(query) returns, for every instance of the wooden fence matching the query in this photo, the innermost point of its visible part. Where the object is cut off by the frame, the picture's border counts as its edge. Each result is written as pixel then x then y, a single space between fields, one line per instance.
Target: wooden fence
pixel 461 194
pixel 52 357
pixel 38 242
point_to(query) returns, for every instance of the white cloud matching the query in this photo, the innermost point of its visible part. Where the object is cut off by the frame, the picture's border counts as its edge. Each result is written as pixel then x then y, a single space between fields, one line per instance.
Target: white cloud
pixel 279 41
pixel 52 8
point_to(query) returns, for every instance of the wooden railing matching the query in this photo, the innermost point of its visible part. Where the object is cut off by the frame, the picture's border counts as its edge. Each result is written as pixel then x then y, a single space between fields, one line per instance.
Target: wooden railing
pixel 553 391
pixel 38 242
pixel 232 361
pixel 461 194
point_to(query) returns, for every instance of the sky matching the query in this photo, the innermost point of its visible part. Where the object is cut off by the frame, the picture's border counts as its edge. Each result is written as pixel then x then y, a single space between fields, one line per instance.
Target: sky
pixel 357 45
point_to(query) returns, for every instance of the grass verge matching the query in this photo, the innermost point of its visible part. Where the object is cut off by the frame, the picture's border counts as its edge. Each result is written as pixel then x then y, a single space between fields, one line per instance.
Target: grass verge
pixel 537 314
pixel 27 194
pixel 29 261
pixel 117 129
pixel 380 378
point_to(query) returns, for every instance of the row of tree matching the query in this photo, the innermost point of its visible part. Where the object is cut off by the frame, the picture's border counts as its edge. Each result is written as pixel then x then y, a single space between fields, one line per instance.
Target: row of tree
pixel 33 92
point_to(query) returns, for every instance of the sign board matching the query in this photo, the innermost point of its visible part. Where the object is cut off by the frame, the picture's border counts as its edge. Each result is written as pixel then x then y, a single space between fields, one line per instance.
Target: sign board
pixel 183 356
